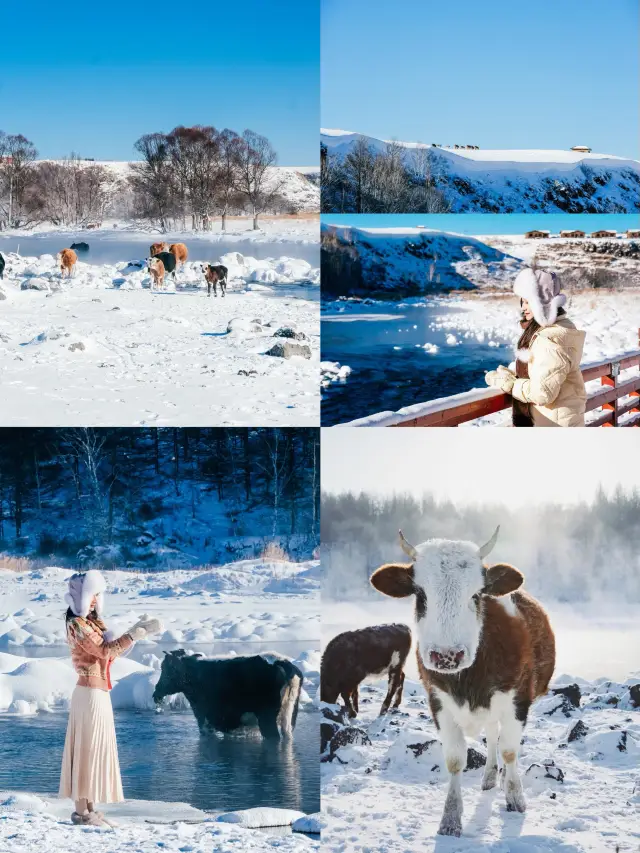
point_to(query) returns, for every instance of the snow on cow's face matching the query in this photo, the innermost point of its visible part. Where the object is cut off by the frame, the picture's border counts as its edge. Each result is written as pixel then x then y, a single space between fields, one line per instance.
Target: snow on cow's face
pixel 448 579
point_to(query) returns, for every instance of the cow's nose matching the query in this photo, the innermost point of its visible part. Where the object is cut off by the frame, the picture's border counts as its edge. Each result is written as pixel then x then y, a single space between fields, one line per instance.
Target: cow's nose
pixel 447 658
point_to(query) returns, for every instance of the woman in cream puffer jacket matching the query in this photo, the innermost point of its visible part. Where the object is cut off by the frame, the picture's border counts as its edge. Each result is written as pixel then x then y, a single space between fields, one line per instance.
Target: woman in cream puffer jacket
pixel 547 385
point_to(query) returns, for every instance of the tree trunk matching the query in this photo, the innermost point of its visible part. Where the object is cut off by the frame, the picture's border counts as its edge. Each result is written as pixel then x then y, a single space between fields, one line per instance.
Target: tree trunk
pixel 224 221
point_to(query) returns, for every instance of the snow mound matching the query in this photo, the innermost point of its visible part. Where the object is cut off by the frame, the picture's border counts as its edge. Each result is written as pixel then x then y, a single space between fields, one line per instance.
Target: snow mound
pixel 261 817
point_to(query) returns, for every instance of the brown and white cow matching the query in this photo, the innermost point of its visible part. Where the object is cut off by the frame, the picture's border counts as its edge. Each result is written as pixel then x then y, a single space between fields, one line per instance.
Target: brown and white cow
pixel 215 274
pixel 354 656
pixel 156 248
pixel 67 259
pixel 156 268
pixel 180 253
pixel 485 651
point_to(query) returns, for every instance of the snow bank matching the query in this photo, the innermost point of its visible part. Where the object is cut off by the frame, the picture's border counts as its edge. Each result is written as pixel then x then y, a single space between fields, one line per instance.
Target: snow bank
pixel 27 819
pixel 258 817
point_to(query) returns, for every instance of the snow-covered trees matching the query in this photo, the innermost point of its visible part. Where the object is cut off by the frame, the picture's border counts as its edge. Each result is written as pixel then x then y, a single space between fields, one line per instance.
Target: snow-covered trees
pixel 366 181
pixel 149 493
pixel 17 155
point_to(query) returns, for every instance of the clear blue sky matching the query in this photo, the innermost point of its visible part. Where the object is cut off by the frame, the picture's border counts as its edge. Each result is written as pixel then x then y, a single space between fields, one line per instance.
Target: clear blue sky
pixel 93 77
pixel 498 74
pixel 490 223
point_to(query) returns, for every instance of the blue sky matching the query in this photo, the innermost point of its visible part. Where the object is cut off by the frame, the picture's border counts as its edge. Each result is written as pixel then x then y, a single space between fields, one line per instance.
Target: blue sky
pixel 490 223
pixel 92 78
pixel 498 74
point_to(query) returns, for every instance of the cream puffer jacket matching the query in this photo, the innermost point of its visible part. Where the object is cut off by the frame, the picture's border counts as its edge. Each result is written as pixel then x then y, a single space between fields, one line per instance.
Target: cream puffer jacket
pixel 555 388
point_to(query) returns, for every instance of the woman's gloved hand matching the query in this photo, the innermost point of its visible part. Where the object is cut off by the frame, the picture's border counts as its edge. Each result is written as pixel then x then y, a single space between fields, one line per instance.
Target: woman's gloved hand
pixel 143 627
pixel 502 378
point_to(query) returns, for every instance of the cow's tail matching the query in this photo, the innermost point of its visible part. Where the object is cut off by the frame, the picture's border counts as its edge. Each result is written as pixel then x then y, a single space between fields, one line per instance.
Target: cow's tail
pixel 289 698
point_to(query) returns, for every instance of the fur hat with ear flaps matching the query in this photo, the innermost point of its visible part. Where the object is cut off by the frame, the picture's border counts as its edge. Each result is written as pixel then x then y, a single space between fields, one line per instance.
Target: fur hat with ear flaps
pixel 541 289
pixel 82 588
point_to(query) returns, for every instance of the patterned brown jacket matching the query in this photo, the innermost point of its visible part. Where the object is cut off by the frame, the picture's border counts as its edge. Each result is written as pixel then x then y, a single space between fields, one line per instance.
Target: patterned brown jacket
pixel 91 654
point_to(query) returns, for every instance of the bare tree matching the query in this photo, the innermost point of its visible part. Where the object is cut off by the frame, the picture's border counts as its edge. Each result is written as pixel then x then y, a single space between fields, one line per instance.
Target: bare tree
pixel 17 154
pixel 153 180
pixel 257 156
pixel 194 152
pixel 358 168
pixel 87 457
pixel 69 192
pixel 230 149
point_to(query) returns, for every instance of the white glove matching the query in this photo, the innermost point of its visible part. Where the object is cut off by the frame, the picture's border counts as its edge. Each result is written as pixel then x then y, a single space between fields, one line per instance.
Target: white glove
pixel 502 378
pixel 143 627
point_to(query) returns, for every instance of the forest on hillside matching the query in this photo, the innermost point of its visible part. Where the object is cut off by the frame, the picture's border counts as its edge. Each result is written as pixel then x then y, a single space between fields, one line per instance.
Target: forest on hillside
pixel 584 552
pixel 158 497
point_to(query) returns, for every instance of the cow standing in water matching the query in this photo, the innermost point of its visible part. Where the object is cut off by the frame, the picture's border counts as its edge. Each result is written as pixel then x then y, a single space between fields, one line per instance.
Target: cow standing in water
pixel 485 651
pixel 229 693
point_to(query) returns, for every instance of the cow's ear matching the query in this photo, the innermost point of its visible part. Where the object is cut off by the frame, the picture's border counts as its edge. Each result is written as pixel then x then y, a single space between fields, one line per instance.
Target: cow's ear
pixel 502 579
pixel 394 579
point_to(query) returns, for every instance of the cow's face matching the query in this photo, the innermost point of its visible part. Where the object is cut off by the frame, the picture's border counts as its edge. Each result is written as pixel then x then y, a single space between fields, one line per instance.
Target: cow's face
pixel 449 582
pixel 172 675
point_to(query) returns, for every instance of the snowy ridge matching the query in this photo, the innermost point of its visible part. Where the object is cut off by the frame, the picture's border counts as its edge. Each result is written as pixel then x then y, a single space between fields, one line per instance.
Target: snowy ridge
pixel 578 764
pixel 518 181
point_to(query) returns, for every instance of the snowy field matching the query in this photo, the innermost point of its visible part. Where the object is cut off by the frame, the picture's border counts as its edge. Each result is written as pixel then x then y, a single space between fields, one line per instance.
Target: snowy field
pixel 102 348
pixel 582 789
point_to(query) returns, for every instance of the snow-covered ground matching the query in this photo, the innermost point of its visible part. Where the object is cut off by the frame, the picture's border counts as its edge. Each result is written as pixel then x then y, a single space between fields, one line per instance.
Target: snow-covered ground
pixel 388 796
pixel 102 348
pixel 38 824
pixel 272 229
pixel 518 181
pixel 241 606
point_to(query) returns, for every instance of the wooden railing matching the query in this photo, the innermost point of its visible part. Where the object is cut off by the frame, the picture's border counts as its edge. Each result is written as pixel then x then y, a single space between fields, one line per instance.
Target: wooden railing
pixel 461 408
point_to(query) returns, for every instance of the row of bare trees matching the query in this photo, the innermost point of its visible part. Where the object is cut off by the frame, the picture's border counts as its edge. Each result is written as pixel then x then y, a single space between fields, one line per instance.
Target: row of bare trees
pixel 204 172
pixel 388 181
pixel 189 175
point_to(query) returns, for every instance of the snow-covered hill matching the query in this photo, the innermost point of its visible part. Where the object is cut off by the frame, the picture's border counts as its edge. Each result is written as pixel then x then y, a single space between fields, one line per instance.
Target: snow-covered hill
pixel 579 765
pixel 516 181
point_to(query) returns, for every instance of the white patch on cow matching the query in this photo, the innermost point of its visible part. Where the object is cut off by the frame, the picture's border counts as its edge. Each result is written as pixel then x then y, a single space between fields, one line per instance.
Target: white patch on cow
pixel 272 657
pixel 450 573
pixel 395 659
pixel 511 608
pixel 472 723
pixel 289 697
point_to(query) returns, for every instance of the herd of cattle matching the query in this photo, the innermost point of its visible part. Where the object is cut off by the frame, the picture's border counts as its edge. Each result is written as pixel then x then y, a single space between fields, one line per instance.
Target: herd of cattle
pixel 164 260
pixel 485 651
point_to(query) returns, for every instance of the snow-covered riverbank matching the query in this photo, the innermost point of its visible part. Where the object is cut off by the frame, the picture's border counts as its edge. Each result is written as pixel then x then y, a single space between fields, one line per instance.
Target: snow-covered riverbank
pixel 102 348
pixel 30 823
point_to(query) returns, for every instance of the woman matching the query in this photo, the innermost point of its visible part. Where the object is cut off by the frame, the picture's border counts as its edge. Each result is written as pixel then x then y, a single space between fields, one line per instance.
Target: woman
pixel 547 386
pixel 90 769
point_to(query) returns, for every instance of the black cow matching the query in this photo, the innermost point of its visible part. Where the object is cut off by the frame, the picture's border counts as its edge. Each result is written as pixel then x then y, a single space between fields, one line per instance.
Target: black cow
pixel 229 693
pixel 169 261
pixel 1 267
pixel 215 274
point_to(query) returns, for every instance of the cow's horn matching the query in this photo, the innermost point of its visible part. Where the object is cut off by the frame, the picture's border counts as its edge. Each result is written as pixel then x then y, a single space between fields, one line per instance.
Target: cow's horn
pixel 409 550
pixel 488 547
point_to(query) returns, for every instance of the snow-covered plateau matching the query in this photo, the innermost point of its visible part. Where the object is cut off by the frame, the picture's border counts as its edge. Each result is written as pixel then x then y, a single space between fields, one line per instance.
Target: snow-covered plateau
pixel 515 181
pixel 103 348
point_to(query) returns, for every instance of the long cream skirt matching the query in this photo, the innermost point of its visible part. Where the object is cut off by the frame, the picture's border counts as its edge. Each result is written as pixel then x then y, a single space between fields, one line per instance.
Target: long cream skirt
pixel 90 767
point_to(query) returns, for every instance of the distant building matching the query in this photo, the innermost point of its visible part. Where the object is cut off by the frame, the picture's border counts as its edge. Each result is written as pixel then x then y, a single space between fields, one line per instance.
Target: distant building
pixel 572 234
pixel 582 148
pixel 633 234
pixel 537 235
pixel 603 233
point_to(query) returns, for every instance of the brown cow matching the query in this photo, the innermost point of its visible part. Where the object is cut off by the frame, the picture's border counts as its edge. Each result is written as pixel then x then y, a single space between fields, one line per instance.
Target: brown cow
pixel 353 656
pixel 67 259
pixel 485 652
pixel 156 268
pixel 156 248
pixel 215 274
pixel 180 253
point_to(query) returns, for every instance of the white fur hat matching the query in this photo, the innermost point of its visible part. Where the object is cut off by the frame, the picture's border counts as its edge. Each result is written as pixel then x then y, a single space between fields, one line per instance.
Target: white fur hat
pixel 541 289
pixel 82 588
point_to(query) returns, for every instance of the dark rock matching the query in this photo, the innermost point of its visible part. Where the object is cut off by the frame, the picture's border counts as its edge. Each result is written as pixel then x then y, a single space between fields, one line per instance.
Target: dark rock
pixel 327 731
pixel 578 732
pixel 421 747
pixel 621 746
pixel 546 770
pixel 571 691
pixel 475 759
pixel 77 346
pixel 288 332
pixel 564 705
pixel 288 349
pixel 634 694
pixel 347 736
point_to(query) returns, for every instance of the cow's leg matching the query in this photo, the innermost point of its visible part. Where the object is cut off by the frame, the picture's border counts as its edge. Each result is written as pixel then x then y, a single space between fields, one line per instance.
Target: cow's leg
pixel 398 699
pixel 223 286
pixel 454 747
pixel 394 673
pixel 208 288
pixel 490 775
pixel 511 729
pixel 348 704
pixel 354 699
pixel 267 722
